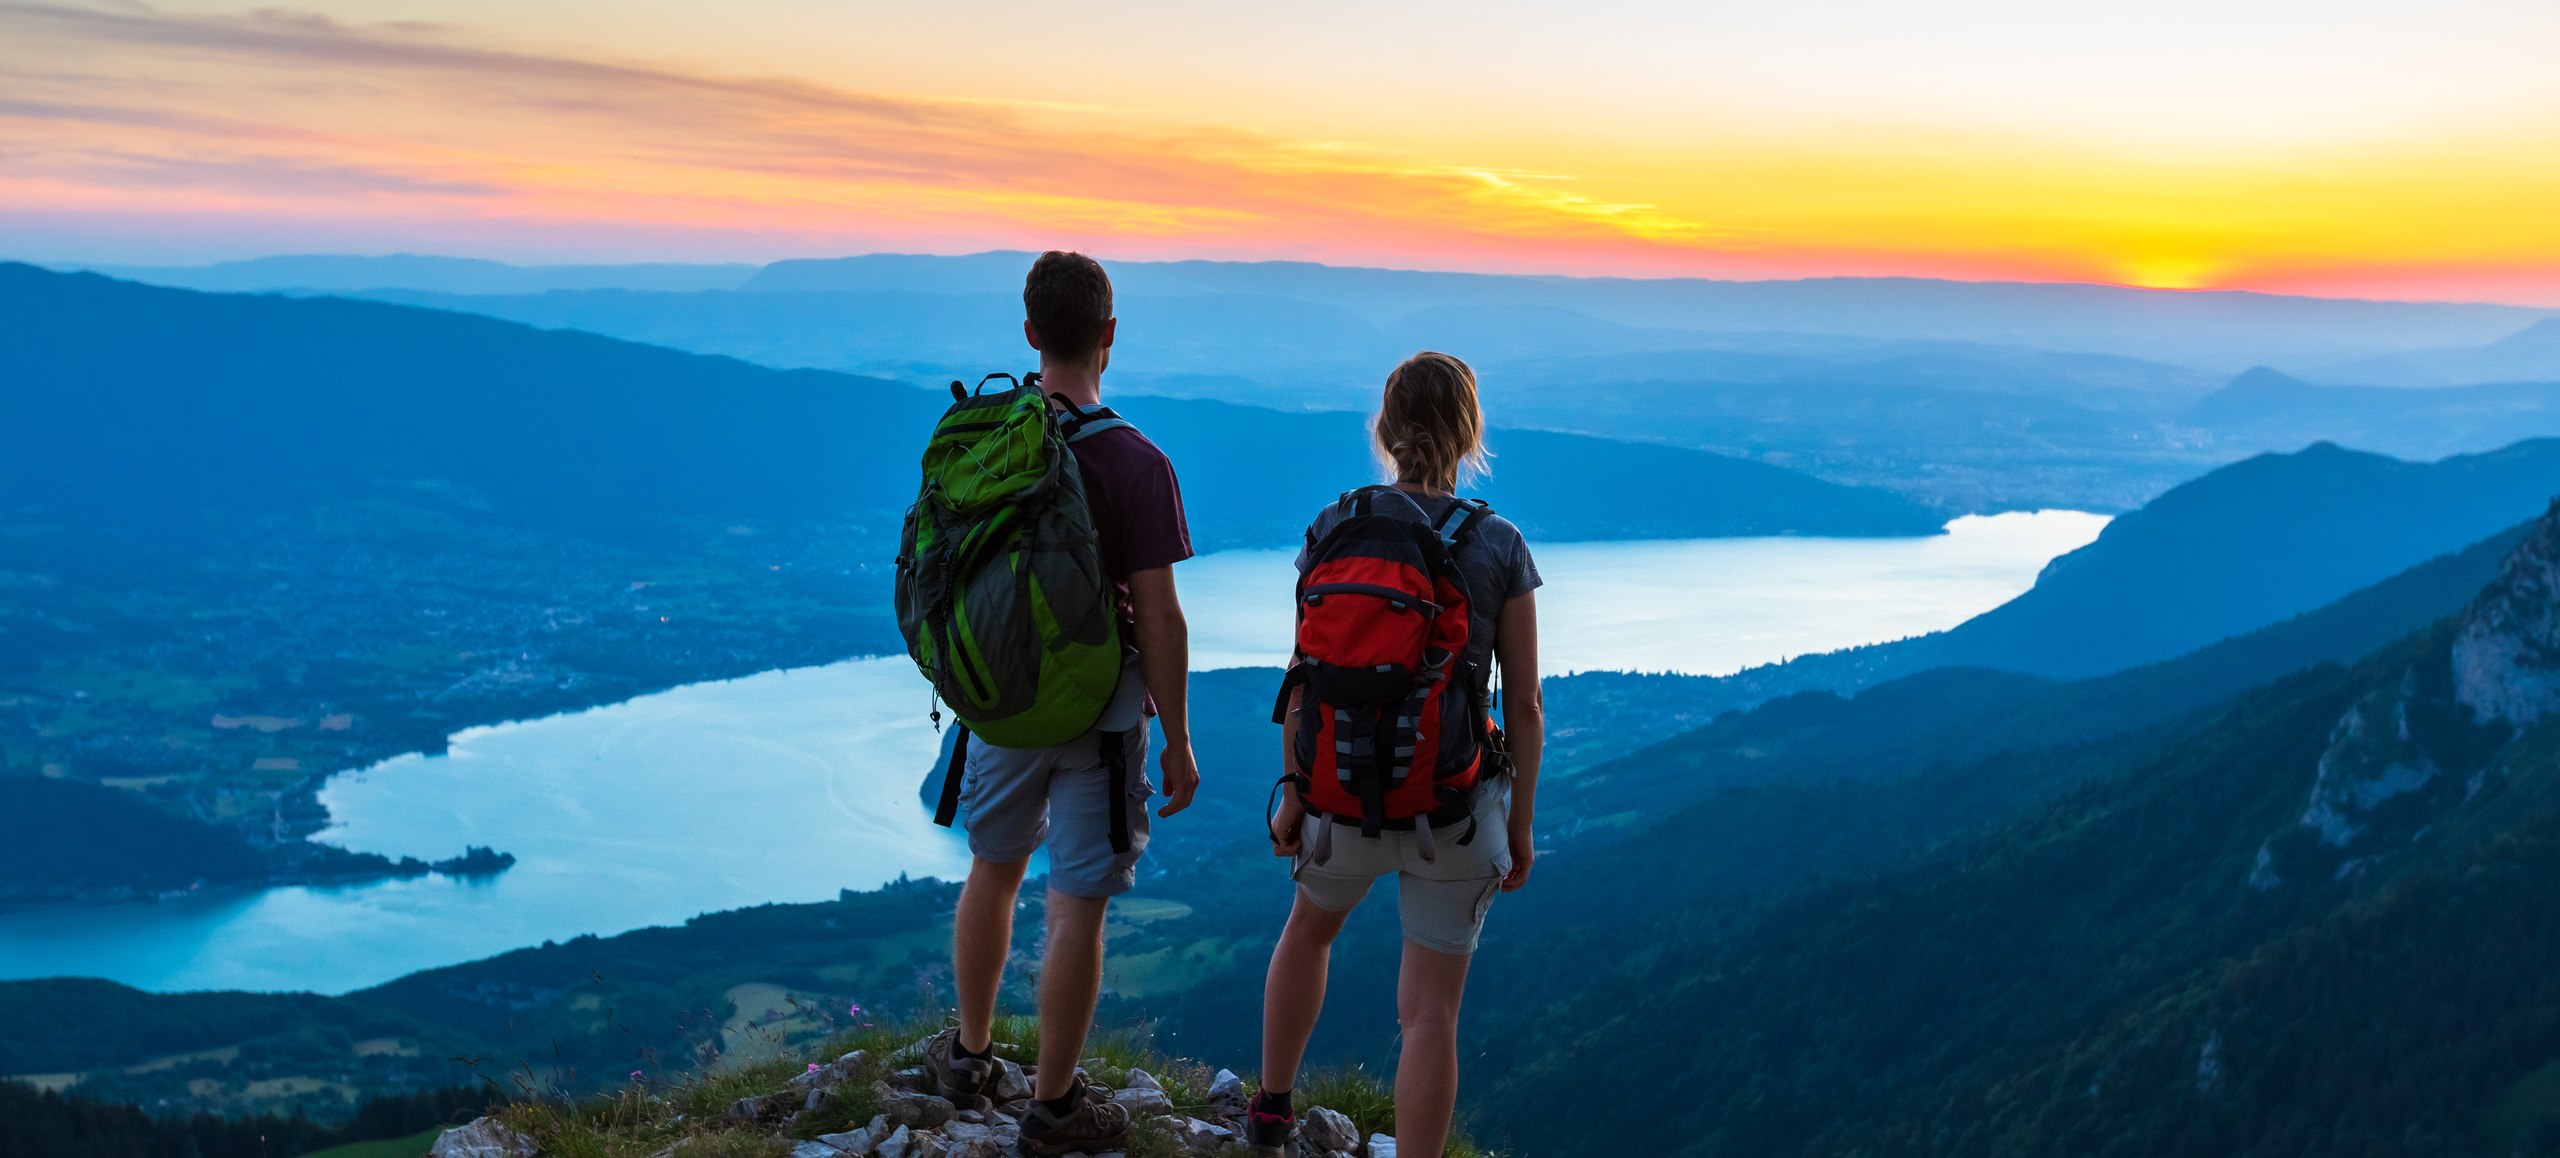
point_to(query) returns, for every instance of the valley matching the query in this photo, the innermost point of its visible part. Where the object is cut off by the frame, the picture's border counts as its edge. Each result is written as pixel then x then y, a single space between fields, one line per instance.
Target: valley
pixel 2127 825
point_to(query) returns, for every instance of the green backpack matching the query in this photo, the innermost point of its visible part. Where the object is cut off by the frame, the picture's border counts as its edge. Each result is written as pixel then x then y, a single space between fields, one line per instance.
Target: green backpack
pixel 1000 589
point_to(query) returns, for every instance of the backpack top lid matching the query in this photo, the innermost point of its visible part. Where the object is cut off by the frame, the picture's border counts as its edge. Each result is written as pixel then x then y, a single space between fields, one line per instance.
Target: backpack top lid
pixel 991 449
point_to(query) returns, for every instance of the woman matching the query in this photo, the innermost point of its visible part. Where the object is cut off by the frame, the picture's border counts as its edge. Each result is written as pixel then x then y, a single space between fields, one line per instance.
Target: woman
pixel 1430 431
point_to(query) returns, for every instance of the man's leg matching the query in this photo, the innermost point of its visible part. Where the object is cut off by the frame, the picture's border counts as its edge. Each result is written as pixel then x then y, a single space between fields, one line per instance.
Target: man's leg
pixel 1293 991
pixel 1070 984
pixel 1427 995
pixel 981 939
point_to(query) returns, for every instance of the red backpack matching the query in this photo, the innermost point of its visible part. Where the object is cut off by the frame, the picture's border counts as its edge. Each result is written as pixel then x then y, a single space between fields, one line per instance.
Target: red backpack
pixel 1394 729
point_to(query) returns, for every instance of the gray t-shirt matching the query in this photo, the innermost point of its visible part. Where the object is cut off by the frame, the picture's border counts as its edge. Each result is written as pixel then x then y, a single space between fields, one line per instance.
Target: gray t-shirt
pixel 1493 556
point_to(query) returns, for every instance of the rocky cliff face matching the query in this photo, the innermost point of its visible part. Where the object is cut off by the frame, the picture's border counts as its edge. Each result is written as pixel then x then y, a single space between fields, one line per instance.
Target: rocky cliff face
pixel 2506 659
pixel 2409 754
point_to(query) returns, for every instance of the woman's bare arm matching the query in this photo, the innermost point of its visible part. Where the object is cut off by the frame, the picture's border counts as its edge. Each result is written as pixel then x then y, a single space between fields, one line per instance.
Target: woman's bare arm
pixel 1524 723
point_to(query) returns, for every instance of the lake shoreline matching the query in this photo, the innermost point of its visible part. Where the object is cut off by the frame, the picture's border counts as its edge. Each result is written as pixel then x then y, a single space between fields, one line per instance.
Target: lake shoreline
pixel 625 814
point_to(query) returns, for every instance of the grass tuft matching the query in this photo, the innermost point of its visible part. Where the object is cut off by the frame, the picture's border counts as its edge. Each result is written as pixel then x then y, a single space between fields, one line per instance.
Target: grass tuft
pixel 689 1118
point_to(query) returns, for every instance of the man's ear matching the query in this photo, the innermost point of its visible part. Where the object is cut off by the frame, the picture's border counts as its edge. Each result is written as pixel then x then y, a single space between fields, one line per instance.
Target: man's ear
pixel 1029 334
pixel 1110 328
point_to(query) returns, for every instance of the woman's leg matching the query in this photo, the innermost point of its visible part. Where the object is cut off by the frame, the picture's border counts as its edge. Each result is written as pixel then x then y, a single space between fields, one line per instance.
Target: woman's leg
pixel 1293 992
pixel 1427 995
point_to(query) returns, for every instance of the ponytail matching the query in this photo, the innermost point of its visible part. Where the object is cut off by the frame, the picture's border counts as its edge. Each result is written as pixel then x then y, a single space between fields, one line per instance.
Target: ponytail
pixel 1430 427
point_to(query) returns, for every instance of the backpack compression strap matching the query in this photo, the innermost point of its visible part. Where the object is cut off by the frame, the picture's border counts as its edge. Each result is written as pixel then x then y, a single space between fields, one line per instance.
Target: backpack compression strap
pixel 949 806
pixel 1115 757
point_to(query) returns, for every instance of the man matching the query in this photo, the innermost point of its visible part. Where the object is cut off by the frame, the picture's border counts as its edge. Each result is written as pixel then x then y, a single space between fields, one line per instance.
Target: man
pixel 1020 798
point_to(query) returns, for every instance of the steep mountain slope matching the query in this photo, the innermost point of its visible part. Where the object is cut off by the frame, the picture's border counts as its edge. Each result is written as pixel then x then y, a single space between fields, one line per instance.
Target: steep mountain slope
pixel 2242 547
pixel 2309 927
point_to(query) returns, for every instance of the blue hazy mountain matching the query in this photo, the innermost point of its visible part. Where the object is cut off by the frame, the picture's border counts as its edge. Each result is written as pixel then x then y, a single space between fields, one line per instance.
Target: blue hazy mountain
pixel 2239 549
pixel 459 275
pixel 2531 354
pixel 2248 545
pixel 2204 329
pixel 2269 410
pixel 146 399
pixel 1968 397
pixel 2228 330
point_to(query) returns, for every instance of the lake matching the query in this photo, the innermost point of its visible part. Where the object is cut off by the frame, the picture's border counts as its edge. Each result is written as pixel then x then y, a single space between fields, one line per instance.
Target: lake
pixel 788 786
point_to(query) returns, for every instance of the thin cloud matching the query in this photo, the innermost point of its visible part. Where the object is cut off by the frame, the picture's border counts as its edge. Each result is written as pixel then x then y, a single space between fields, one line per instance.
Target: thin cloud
pixel 320 108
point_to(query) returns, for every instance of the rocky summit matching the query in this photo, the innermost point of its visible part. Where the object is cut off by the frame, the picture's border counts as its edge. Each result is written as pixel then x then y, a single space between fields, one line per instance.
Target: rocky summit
pixel 862 1106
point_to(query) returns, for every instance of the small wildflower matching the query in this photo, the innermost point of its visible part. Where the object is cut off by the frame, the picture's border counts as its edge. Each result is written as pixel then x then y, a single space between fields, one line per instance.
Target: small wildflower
pixel 635 1075
pixel 813 1067
pixel 853 1009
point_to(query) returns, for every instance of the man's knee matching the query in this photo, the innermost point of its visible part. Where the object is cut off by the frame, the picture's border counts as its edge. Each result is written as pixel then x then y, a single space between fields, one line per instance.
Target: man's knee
pixel 1070 912
pixel 1001 874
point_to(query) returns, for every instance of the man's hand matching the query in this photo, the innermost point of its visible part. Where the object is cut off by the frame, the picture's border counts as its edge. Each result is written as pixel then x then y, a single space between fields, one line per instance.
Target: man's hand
pixel 1286 826
pixel 1524 852
pixel 1181 777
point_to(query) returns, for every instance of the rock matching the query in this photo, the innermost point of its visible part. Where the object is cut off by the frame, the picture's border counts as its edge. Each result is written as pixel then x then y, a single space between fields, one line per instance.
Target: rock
pixel 745 1110
pixel 483 1138
pixel 1328 1131
pixel 1142 1080
pixel 1143 1100
pixel 833 1073
pixel 816 1095
pixel 1227 1096
pixel 900 1144
pixel 908 1108
pixel 1381 1146
pixel 815 1150
pixel 970 1140
pixel 859 1142
pixel 1013 1083
pixel 911 1078
pixel 1200 1137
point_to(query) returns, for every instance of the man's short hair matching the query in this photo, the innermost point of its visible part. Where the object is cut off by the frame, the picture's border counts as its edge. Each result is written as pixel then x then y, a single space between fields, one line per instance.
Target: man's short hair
pixel 1067 299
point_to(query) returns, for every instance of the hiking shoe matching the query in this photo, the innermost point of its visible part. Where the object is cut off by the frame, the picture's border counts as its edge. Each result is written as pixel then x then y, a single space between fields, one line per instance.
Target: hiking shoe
pixel 1269 1131
pixel 1093 1126
pixel 960 1080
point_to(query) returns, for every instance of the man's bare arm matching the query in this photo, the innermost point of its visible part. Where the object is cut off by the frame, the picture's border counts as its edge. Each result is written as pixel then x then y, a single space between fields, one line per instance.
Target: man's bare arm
pixel 1164 658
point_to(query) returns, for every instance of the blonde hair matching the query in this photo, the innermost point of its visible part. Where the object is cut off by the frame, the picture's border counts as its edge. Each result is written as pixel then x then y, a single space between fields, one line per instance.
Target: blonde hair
pixel 1430 427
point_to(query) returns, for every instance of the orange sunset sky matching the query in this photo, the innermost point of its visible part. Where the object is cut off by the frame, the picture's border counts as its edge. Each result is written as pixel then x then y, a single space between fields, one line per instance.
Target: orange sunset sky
pixel 2345 147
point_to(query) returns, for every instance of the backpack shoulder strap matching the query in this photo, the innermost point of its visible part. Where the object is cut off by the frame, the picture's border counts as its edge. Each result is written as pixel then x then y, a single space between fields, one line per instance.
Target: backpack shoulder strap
pixel 1463 516
pixel 1078 423
pixel 1099 420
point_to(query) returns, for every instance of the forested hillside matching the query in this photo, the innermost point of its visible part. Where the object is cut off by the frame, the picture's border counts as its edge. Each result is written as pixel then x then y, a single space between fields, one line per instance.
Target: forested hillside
pixel 2300 929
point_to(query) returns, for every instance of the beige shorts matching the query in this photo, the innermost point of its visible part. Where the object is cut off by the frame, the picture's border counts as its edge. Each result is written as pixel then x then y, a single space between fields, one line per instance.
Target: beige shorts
pixel 1021 800
pixel 1441 901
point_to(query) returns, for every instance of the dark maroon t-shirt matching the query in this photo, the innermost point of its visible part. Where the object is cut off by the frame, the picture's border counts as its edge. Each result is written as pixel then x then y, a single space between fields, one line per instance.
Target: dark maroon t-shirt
pixel 1136 504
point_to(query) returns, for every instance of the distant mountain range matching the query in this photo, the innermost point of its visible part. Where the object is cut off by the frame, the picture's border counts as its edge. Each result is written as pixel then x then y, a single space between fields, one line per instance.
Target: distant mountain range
pixel 2270 410
pixel 1967 396
pixel 2531 354
pixel 2208 328
pixel 150 399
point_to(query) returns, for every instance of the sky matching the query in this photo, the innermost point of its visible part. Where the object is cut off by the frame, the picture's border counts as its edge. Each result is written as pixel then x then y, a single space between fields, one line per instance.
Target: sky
pixel 2344 148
